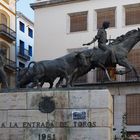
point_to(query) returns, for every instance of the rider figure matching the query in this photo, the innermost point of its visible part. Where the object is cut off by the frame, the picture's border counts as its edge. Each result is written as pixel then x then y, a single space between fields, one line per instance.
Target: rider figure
pixel 102 40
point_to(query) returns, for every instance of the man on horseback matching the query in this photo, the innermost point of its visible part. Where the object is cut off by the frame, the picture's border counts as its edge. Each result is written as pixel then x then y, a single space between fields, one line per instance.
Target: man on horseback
pixel 102 40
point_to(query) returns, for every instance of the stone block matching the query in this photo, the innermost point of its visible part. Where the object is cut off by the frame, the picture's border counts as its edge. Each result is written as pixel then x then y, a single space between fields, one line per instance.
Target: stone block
pixel 61 133
pixel 39 133
pixel 3 117
pixel 26 118
pixel 79 98
pixel 60 116
pixel 25 122
pixel 100 99
pixel 13 100
pixel 16 134
pixel 89 134
pixel 33 98
pixel 102 117
pixel 61 99
pixel 4 134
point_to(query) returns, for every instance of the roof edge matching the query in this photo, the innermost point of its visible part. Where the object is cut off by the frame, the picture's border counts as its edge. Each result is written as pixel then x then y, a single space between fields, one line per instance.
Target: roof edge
pixel 52 3
pixel 20 14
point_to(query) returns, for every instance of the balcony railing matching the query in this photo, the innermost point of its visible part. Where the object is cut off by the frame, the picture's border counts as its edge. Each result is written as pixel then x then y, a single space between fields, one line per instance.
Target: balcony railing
pixel 7 33
pixel 10 65
pixel 24 54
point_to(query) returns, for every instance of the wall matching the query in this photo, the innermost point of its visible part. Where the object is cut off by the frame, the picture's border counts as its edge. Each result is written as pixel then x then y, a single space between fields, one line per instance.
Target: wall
pixel 19 110
pixel 52 38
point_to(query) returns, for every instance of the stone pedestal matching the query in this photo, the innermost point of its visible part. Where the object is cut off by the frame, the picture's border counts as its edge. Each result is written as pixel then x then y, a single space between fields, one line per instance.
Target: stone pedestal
pixel 79 115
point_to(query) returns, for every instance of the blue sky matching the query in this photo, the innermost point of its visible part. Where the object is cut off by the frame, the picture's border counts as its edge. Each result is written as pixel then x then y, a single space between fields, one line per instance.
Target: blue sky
pixel 24 7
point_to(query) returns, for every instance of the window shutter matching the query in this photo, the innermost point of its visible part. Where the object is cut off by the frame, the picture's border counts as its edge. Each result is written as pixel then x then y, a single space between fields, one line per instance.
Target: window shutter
pixel 78 21
pixel 132 14
pixel 106 15
pixel 133 109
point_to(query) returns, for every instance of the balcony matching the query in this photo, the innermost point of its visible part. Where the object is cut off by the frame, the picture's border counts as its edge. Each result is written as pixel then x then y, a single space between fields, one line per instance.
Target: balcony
pixel 7 34
pixel 10 65
pixel 24 54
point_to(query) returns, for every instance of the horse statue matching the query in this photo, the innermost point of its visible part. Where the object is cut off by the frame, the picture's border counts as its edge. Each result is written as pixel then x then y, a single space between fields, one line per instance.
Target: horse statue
pixel 121 46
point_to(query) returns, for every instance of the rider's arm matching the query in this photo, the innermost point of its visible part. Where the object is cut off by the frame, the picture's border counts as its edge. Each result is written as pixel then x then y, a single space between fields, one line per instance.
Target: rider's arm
pixel 99 33
pixel 94 39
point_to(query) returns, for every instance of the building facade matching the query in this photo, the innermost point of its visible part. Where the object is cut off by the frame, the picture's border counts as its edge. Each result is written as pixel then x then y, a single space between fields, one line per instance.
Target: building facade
pixel 62 26
pixel 77 23
pixel 8 37
pixel 25 40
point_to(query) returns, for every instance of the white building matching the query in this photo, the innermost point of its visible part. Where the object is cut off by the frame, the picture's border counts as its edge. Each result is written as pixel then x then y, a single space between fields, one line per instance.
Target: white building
pixel 53 23
pixel 25 40
pixel 62 25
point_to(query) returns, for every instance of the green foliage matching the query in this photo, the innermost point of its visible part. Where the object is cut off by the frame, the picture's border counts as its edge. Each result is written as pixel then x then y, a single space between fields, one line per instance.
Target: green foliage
pixel 124 129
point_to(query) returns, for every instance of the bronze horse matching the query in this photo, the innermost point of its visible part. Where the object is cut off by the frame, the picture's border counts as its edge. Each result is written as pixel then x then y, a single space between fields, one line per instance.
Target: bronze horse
pixel 121 46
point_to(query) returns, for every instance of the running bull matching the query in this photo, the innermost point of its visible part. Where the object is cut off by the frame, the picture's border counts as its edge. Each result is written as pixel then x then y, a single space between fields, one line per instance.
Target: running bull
pixel 49 70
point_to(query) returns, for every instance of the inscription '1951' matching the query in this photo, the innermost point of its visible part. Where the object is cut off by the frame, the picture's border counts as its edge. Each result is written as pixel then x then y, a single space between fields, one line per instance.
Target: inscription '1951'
pixel 46 137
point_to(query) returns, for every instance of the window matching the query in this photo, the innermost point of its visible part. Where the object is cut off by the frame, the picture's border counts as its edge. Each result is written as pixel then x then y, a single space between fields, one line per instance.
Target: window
pixel 3 19
pixel 21 47
pixel 106 15
pixel 133 109
pixel 30 50
pixel 21 26
pixel 30 32
pixel 132 14
pixel 78 21
pixel 21 65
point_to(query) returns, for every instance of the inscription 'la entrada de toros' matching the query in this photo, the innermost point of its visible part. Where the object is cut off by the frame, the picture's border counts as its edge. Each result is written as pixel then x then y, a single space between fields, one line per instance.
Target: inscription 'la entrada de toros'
pixel 47 124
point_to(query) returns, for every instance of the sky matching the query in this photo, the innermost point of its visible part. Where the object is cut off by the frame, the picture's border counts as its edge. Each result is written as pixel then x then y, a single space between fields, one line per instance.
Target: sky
pixel 24 7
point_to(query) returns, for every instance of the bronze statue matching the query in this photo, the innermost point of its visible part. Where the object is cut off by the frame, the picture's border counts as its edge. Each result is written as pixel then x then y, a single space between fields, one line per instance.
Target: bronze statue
pixel 121 45
pixel 49 70
pixel 76 64
pixel 3 76
pixel 102 40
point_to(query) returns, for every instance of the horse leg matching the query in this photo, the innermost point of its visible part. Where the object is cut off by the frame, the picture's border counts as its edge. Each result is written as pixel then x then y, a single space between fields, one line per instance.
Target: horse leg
pixel 68 77
pixel 125 63
pixel 73 76
pixel 59 82
pixel 103 67
pixel 51 84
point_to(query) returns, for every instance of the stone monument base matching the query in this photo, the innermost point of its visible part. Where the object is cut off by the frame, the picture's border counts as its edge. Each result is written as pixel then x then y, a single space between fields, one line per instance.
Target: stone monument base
pixel 78 115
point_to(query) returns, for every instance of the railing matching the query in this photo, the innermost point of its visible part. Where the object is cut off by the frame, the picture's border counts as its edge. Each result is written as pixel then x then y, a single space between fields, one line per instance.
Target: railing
pixel 8 31
pixel 10 64
pixel 24 53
